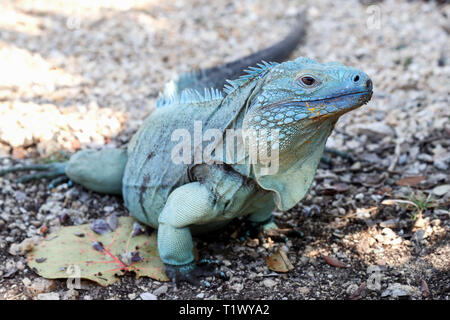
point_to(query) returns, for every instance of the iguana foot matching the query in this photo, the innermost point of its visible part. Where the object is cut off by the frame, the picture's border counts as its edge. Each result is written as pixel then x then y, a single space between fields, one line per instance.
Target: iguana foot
pixel 252 228
pixel 192 272
pixel 55 171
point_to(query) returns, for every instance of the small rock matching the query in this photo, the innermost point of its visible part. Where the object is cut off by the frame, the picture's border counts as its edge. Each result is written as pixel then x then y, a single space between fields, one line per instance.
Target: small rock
pixel 387 232
pixel 38 286
pixel 399 290
pixel 161 290
pixel 148 296
pixel 22 248
pixel 351 288
pixel 436 222
pixel 303 290
pixel 237 287
pixel 48 296
pixel 440 164
pixel 70 294
pixel 391 223
pixel 20 265
pixel 359 196
pixel 201 295
pixel 100 226
pixel 226 263
pixel 441 190
pixel 269 283
pixel 26 281
pixel 418 236
pixel 304 260
pixel 375 128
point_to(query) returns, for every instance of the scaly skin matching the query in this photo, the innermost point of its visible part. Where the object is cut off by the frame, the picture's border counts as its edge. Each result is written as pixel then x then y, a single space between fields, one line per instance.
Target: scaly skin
pixel 301 100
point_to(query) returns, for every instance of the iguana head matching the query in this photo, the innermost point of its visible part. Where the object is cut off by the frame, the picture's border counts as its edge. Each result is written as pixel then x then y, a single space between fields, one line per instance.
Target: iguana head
pixel 301 100
pixel 296 97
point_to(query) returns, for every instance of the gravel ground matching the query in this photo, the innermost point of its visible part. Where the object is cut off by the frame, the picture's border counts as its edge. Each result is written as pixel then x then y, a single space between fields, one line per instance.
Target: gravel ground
pixel 83 75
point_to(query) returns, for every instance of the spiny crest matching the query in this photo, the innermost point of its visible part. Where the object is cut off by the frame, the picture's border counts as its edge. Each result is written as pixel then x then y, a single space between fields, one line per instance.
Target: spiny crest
pixel 189 96
pixel 300 62
pixel 251 73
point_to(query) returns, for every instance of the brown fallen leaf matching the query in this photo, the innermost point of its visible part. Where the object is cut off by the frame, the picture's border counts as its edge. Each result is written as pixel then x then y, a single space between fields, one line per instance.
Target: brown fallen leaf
pixel 279 262
pixel 334 262
pixel 357 294
pixel 277 232
pixel 410 181
pixel 425 290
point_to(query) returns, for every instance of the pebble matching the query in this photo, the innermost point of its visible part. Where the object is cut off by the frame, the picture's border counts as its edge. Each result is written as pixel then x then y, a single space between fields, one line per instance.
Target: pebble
pixel 391 223
pixel 269 283
pixel 161 290
pixel 48 296
pixel 375 128
pixel 440 164
pixel 70 294
pixel 201 295
pixel 399 290
pixel 237 287
pixel 359 196
pixel 441 190
pixel 148 296
pixel 26 281
pixel 303 290
pixel 40 285
pixel 351 289
pixel 22 248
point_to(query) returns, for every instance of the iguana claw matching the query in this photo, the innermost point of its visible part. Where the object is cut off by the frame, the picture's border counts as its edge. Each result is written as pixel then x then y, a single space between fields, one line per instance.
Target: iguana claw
pixel 192 272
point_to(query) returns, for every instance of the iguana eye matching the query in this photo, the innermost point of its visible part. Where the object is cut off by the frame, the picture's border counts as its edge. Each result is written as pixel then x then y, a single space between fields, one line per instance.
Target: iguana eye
pixel 308 81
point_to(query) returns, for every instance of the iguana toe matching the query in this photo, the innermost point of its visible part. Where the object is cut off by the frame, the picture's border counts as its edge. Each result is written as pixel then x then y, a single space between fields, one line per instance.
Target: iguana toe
pixel 252 228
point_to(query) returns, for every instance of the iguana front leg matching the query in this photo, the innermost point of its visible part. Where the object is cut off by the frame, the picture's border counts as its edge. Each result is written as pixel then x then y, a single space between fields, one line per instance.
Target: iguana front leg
pixel 189 204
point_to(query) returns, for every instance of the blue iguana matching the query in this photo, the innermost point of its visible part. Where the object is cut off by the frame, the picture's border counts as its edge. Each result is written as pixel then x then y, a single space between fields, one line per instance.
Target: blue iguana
pixel 288 108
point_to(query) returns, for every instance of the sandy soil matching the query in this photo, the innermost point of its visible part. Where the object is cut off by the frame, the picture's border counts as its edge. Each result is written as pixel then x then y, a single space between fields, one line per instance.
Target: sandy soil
pixel 76 75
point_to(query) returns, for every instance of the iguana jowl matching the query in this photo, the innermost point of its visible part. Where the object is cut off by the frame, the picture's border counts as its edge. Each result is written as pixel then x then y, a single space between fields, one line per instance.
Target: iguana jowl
pixel 300 100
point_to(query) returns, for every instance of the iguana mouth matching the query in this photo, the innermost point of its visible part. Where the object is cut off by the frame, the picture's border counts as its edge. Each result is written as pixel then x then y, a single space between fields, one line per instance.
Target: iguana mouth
pixel 319 108
pixel 367 94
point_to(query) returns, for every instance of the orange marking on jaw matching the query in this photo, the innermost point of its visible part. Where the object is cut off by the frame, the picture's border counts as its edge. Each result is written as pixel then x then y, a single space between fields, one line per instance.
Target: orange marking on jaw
pixel 310 109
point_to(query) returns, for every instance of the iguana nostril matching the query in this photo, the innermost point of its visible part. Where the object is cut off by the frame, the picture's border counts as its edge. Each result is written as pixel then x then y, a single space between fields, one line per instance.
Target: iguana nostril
pixel 356 78
pixel 369 83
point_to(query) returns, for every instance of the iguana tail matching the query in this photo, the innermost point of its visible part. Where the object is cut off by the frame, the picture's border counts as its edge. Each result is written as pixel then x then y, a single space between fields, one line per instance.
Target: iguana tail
pixel 216 77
